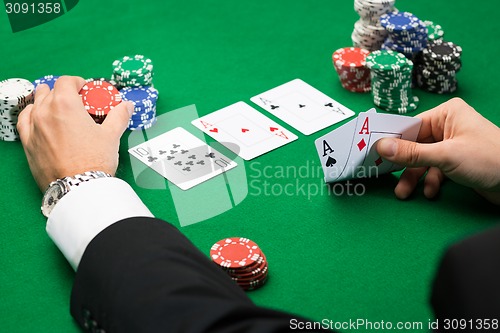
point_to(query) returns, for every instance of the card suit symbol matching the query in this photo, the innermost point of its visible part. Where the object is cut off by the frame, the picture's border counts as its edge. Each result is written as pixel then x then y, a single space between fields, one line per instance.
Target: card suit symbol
pixel 187 169
pixel 214 130
pixel 211 155
pixel 244 130
pixel 178 163
pixel 193 157
pixel 330 161
pixel 189 163
pixel 329 104
pixel 274 107
pixel 151 159
pixel 173 152
pixel 272 129
pixel 184 151
pixel 175 145
pixel 301 106
pixel 379 161
pixel 161 152
pixel 201 162
pixel 170 158
pixel 361 144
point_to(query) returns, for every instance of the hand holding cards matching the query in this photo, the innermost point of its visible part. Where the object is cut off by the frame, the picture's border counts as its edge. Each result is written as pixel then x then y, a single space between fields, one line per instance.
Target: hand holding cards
pixel 349 152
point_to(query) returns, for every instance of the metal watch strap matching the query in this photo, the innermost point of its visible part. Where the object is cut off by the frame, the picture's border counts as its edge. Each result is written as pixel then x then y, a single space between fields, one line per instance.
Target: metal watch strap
pixel 84 177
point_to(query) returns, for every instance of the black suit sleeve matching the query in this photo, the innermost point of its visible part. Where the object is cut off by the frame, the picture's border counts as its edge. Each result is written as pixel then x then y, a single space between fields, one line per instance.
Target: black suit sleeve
pixel 143 275
pixel 467 285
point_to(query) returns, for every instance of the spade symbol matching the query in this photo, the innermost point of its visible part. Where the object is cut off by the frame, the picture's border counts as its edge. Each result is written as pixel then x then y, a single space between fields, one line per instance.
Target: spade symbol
pixel 274 107
pixel 301 106
pixel 330 161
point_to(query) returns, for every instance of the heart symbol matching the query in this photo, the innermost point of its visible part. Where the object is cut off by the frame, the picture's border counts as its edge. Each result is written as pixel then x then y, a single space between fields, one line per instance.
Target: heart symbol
pixel 273 129
pixel 244 130
pixel 215 130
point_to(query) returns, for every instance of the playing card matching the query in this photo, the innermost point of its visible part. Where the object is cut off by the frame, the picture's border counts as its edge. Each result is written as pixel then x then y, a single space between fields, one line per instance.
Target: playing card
pixel 244 130
pixel 360 135
pixel 374 126
pixel 302 106
pixel 182 158
pixel 334 151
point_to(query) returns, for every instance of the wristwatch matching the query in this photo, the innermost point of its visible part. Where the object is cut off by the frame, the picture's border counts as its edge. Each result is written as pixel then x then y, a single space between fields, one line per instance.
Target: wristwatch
pixel 58 188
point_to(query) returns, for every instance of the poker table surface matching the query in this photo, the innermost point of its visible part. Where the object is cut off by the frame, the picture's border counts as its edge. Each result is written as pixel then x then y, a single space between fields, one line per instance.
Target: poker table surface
pixel 339 256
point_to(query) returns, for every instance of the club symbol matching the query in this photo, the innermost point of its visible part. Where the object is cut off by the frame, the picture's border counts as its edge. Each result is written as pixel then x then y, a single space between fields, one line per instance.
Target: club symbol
pixel 173 152
pixel 184 151
pixel 189 163
pixel 330 161
pixel 301 106
pixel 151 159
pixel 175 145
pixel 193 157
pixel 274 107
pixel 170 158
pixel 211 155
pixel 201 162
pixel 178 163
pixel 161 152
pixel 329 104
pixel 187 169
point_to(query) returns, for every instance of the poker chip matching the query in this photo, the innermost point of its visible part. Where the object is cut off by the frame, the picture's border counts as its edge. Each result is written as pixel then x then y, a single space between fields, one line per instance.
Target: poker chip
pixel 144 100
pixel 434 31
pixel 49 80
pixel 407 34
pixel 350 64
pixel 368 33
pixel 242 260
pixel 15 95
pixel 437 67
pixel 391 81
pixel 99 97
pixel 133 71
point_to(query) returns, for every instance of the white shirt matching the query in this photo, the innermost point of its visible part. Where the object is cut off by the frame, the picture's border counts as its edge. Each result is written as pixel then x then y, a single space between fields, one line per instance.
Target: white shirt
pixel 87 210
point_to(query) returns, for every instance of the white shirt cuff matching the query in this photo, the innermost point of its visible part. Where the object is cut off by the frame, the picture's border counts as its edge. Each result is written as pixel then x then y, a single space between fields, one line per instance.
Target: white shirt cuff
pixel 89 209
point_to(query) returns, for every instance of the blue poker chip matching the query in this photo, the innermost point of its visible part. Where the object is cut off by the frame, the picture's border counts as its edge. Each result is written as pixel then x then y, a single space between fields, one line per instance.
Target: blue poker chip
pixel 144 115
pixel 143 125
pixel 400 21
pixel 49 80
pixel 140 96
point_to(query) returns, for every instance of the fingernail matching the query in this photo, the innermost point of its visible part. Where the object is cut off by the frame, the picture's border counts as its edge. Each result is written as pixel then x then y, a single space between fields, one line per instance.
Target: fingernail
pixel 130 108
pixel 387 147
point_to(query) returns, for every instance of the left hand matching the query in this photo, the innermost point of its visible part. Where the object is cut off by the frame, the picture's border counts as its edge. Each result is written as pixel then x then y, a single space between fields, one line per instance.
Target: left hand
pixel 60 139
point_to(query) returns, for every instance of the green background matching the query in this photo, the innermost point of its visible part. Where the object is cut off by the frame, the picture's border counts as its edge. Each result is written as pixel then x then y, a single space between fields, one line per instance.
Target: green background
pixel 340 258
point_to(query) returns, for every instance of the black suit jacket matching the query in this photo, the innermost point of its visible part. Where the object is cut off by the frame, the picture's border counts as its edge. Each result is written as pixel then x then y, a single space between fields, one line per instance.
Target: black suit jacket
pixel 143 275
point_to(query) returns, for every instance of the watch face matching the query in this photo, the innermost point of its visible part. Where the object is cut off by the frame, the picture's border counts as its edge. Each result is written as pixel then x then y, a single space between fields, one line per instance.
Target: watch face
pixel 54 193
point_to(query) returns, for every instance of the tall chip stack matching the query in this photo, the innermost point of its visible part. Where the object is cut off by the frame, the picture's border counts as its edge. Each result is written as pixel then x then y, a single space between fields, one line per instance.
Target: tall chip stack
pixel 368 33
pixel 437 67
pixel 391 81
pixel 134 77
pixel 407 34
pixel 15 95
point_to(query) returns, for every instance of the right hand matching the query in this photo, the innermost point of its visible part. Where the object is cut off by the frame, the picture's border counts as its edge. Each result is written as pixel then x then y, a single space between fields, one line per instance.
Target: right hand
pixel 454 141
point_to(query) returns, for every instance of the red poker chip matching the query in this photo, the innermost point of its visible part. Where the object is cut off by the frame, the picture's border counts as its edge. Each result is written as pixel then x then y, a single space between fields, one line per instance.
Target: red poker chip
pixel 99 97
pixel 235 252
pixel 350 57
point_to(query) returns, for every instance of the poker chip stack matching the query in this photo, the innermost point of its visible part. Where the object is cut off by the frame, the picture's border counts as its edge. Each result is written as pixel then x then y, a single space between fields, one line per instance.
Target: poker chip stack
pixel 99 97
pixel 434 31
pixel 391 81
pixel 407 34
pixel 368 33
pixel 350 64
pixel 144 100
pixel 437 67
pixel 15 95
pixel 133 71
pixel 49 80
pixel 242 260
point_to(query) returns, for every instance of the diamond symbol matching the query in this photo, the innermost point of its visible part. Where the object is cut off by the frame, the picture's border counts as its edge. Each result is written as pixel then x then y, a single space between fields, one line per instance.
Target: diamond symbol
pixel 379 161
pixel 361 144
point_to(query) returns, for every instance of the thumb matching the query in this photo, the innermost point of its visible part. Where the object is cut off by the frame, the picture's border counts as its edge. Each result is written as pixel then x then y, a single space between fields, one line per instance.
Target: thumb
pixel 410 154
pixel 117 119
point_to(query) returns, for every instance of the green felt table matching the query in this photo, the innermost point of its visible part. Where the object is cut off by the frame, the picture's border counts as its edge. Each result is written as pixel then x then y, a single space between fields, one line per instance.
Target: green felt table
pixel 339 257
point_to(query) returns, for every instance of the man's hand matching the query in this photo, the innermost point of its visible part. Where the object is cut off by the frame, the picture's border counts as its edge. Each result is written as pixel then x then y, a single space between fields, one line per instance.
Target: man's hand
pixel 455 142
pixel 60 138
